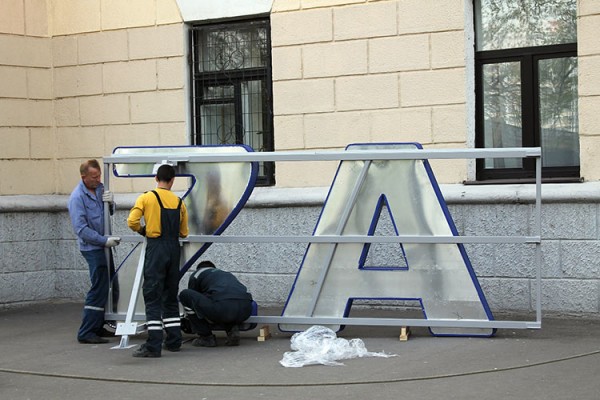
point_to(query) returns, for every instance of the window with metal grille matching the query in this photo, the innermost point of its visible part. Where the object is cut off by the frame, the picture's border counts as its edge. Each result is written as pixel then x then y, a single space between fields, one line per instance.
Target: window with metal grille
pixel 526 86
pixel 231 87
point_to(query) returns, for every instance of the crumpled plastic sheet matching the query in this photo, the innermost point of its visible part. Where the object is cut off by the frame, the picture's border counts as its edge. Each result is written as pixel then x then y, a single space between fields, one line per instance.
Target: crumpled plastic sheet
pixel 320 345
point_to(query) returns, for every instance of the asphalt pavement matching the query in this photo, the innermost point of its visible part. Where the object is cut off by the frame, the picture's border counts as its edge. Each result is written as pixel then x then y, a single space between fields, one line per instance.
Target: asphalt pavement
pixel 41 359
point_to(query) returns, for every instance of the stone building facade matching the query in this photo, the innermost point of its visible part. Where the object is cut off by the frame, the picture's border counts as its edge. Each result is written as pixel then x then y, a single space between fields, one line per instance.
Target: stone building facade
pixel 79 78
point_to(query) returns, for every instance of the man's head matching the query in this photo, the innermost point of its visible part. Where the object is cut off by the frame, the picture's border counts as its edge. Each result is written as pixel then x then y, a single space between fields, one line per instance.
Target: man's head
pixel 165 173
pixel 205 264
pixel 90 174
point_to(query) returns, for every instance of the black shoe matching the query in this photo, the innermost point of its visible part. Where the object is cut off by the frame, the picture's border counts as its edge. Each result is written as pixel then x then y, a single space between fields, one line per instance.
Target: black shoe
pixel 143 351
pixel 93 340
pixel 103 332
pixel 233 336
pixel 205 341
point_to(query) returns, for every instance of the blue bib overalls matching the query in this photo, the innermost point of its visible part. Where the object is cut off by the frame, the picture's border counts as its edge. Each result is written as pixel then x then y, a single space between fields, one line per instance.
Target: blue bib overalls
pixel 161 282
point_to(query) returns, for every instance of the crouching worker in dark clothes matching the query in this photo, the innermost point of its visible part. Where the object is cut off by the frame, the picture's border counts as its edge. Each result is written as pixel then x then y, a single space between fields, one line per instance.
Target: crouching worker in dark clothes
pixel 215 296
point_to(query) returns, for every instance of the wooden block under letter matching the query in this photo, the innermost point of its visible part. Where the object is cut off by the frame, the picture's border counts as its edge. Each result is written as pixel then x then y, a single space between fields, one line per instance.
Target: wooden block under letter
pixel 404 333
pixel 264 333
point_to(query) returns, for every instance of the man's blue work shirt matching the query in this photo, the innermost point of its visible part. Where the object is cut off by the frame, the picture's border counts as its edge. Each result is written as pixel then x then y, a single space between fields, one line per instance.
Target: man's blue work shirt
pixel 87 217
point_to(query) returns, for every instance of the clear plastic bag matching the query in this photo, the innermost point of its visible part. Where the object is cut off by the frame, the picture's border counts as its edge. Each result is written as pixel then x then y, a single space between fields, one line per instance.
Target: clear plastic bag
pixel 320 345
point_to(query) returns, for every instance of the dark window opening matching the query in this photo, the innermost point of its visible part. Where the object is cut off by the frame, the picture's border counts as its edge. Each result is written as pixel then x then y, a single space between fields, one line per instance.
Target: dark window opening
pixel 231 88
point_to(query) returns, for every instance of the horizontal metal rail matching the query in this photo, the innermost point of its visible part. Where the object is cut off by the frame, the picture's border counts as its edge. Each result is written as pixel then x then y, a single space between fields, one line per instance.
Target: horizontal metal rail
pixel 464 323
pixel 347 239
pixel 363 239
pixel 345 155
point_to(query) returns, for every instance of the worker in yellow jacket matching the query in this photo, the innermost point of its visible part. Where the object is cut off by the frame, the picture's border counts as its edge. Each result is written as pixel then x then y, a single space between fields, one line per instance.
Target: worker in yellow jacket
pixel 166 221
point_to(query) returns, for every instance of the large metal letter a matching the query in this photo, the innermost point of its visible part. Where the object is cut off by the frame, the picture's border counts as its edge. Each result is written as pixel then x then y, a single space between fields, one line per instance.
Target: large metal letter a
pixel 439 275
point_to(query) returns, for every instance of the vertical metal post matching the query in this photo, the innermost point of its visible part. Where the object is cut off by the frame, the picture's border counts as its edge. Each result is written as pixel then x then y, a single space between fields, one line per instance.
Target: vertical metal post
pixel 129 327
pixel 107 232
pixel 538 229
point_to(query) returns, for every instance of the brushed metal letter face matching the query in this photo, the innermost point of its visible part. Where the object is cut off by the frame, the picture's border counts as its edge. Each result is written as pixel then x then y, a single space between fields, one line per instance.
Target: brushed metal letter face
pixel 440 276
pixel 215 193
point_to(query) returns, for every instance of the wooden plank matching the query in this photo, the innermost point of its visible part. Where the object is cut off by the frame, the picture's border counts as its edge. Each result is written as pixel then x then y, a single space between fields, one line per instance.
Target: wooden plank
pixel 404 333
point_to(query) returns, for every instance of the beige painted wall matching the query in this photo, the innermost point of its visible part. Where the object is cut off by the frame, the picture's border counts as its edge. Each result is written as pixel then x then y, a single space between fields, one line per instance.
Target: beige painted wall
pixel 28 150
pixel 368 71
pixel 78 78
pixel 588 51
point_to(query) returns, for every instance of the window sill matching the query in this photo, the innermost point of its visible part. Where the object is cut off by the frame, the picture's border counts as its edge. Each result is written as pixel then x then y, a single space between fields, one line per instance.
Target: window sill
pixel 523 181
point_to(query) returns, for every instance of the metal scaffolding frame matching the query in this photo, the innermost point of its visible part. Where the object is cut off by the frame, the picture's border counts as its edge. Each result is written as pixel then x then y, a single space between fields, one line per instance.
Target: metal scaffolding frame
pixel 360 155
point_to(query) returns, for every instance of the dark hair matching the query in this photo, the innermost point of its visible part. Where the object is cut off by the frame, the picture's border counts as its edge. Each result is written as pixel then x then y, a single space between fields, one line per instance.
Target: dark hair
pixel 205 264
pixel 165 173
pixel 85 166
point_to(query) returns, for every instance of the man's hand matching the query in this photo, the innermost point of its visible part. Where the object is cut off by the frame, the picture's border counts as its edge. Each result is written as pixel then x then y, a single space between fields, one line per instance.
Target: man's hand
pixel 108 197
pixel 142 230
pixel 113 241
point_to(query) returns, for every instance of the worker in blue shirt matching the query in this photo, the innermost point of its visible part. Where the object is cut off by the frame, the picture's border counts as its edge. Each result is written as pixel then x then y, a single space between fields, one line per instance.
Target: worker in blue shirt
pixel 86 209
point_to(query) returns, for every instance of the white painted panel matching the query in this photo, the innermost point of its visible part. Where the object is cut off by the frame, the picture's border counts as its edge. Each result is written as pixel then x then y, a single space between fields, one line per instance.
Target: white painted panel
pixel 194 10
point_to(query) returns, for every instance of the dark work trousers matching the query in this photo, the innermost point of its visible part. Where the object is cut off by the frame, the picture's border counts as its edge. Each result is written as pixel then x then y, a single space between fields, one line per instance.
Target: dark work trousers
pixel 93 311
pixel 161 283
pixel 202 311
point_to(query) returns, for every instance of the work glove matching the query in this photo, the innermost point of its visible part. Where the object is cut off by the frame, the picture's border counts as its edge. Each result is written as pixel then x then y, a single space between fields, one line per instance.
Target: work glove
pixel 108 197
pixel 142 230
pixel 112 241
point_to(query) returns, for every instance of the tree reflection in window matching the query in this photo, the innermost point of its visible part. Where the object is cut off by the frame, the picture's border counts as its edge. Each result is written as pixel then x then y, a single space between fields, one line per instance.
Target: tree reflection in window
pixel 526 85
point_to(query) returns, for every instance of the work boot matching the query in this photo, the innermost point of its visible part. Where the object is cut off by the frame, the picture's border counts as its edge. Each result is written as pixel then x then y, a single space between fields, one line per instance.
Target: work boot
pixel 233 336
pixel 103 332
pixel 143 351
pixel 205 341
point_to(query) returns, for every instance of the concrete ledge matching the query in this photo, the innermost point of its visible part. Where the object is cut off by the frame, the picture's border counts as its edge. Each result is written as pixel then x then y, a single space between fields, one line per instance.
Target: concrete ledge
pixel 37 238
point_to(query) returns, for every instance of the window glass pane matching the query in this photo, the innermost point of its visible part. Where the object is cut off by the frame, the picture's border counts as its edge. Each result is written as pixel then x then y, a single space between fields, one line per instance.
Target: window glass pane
pixel 233 48
pixel 506 24
pixel 217 92
pixel 252 106
pixel 231 87
pixel 218 124
pixel 502 110
pixel 558 112
pixel 252 113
